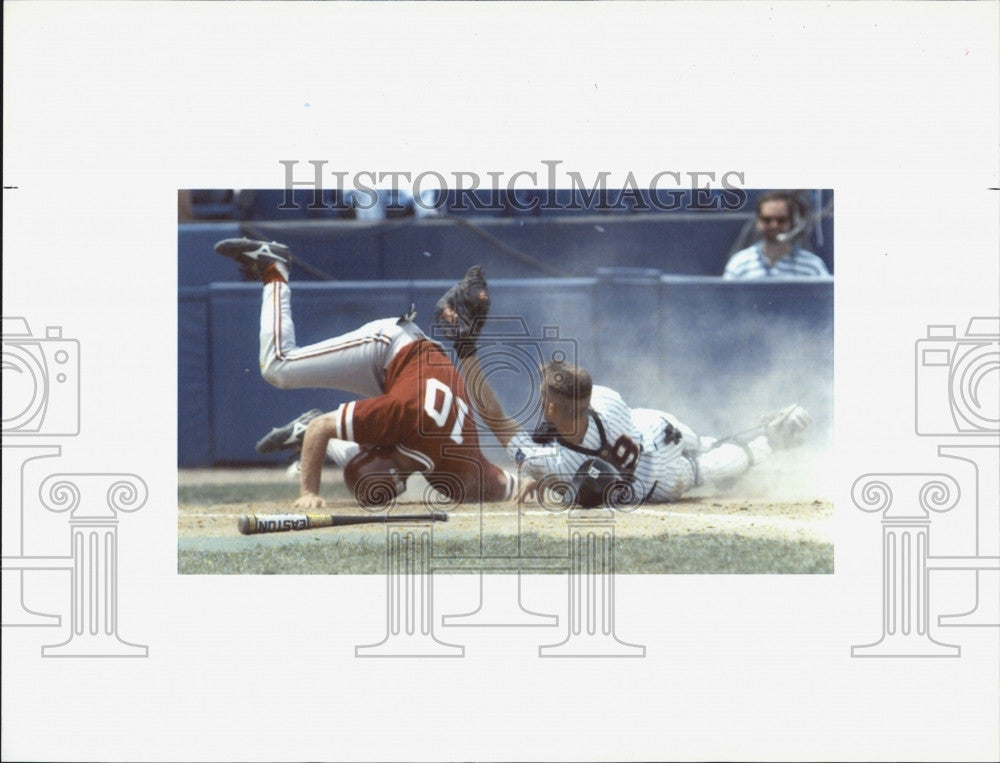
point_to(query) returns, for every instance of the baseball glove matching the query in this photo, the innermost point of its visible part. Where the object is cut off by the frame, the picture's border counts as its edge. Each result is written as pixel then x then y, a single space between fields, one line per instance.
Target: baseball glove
pixel 460 313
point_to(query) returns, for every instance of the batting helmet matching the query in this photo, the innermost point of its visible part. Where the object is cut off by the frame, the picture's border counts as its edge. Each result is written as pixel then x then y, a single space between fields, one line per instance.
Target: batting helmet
pixel 375 477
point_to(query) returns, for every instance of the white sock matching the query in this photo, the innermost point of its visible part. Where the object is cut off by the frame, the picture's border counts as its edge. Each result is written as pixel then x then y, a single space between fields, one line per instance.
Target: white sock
pixel 341 451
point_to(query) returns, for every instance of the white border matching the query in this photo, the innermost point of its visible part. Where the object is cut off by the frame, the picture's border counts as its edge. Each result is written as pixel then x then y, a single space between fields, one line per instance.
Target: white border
pixel 110 107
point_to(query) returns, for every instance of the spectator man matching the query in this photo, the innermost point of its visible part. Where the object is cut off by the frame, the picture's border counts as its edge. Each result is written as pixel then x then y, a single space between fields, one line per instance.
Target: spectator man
pixel 780 219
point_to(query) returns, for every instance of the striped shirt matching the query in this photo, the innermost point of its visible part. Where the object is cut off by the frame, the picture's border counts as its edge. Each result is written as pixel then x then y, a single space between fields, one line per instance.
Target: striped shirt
pixel 750 263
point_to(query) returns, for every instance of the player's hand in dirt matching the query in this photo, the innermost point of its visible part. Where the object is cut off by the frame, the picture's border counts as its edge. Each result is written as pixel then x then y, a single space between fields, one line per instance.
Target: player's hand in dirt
pixel 528 491
pixel 309 501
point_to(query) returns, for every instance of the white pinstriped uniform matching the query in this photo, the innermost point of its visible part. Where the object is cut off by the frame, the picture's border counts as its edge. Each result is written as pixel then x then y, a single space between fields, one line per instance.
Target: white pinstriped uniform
pixel 679 467
pixel 668 464
pixel 666 467
pixel 615 416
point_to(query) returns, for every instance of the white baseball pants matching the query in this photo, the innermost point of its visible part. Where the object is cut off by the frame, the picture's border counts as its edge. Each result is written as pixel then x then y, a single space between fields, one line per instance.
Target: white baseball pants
pixel 354 362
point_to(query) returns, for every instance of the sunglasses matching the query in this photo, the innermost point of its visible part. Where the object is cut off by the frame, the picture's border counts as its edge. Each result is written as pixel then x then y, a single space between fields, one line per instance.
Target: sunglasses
pixel 779 220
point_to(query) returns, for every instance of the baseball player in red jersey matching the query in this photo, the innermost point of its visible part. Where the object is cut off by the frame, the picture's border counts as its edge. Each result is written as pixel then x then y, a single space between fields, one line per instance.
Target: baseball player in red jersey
pixel 415 404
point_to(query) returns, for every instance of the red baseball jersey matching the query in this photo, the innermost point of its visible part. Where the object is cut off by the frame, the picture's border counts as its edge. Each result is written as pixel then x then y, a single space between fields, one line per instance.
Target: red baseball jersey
pixel 425 414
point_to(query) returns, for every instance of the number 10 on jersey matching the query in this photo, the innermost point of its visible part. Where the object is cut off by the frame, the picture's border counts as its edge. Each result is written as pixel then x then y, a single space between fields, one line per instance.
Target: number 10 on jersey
pixel 438 403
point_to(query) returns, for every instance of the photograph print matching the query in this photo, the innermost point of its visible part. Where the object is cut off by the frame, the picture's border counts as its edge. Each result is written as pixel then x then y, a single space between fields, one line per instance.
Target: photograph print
pixel 492 361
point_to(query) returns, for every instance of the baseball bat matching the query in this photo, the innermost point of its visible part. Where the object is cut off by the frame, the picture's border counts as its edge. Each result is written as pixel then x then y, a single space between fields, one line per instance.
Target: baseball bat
pixel 251 524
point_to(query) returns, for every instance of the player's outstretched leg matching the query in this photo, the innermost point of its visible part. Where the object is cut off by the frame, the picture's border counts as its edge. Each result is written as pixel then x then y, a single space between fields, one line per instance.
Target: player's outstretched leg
pixel 354 362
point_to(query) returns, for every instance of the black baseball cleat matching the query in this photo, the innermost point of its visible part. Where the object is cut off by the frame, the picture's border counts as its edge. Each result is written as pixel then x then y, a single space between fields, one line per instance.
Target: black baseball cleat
pixel 289 436
pixel 254 256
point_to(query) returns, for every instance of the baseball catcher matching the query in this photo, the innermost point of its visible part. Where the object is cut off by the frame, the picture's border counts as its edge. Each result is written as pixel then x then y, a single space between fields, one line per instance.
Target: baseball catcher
pixel 591 442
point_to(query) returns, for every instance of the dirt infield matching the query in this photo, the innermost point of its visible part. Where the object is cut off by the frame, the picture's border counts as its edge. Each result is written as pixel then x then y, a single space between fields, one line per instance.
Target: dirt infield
pixel 766 528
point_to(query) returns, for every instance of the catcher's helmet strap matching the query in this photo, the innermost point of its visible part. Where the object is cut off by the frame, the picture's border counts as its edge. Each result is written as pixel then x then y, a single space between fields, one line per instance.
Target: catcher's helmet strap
pixel 607 451
pixel 603 452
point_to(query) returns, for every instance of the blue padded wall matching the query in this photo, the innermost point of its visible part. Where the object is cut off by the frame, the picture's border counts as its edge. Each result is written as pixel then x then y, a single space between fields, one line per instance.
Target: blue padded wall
pixel 194 422
pixel 197 263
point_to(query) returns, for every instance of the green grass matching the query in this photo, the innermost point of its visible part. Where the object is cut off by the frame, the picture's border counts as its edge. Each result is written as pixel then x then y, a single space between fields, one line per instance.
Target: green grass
pixel 329 554
pixel 246 492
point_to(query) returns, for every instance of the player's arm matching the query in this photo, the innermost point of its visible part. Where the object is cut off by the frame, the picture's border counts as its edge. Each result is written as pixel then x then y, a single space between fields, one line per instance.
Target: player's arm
pixel 319 432
pixel 485 401
pixel 460 314
pixel 373 421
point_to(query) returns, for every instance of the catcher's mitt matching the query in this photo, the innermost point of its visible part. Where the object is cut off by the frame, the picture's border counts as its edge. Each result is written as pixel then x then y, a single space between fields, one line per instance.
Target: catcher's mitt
pixel 460 313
